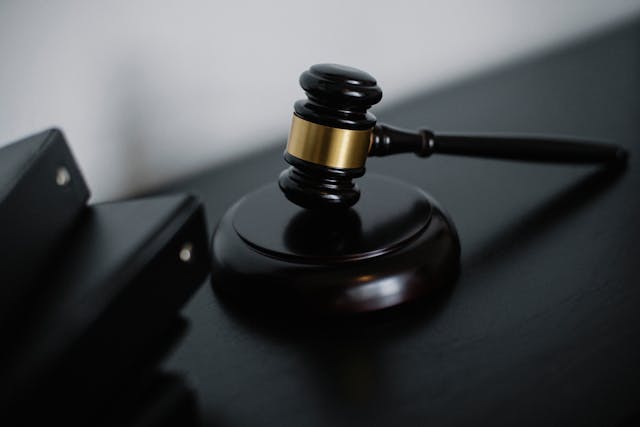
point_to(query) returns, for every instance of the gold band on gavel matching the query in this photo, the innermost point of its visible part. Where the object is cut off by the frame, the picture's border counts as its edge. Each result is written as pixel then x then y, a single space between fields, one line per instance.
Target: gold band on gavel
pixel 324 145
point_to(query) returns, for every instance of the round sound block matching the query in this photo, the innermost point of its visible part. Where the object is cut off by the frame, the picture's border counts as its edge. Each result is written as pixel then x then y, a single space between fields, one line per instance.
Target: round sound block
pixel 395 245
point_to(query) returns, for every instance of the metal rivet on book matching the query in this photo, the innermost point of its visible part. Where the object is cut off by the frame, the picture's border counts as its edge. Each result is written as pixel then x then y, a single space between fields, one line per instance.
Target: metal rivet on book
pixel 186 252
pixel 62 176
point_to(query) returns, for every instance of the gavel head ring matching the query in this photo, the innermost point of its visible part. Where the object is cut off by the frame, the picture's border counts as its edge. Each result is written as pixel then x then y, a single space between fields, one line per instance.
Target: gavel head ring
pixel 330 137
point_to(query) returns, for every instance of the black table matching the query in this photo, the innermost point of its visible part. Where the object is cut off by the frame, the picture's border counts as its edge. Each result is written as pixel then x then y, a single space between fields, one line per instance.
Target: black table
pixel 543 325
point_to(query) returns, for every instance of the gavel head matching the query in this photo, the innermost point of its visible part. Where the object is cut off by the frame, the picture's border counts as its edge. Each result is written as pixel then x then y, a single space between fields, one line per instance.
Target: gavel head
pixel 330 137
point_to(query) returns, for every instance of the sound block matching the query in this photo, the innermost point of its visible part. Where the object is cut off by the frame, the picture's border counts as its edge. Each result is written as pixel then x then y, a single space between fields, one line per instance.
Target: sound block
pixel 395 245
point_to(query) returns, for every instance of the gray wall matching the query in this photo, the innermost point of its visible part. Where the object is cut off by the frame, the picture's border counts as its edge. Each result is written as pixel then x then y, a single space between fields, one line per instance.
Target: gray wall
pixel 151 90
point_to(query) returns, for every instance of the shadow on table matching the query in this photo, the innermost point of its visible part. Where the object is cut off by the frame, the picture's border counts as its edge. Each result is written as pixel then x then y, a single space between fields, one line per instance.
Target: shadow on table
pixel 348 355
pixel 514 237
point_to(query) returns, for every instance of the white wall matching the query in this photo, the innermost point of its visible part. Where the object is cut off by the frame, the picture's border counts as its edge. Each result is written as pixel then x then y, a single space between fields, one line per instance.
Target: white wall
pixel 150 90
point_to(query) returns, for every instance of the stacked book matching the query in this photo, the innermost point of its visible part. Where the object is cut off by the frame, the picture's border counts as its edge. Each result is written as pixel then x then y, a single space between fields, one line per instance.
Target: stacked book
pixel 90 295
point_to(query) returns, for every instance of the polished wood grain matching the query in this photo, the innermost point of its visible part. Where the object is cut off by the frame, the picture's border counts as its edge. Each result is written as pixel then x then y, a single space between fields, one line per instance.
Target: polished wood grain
pixel 543 325
pixel 395 246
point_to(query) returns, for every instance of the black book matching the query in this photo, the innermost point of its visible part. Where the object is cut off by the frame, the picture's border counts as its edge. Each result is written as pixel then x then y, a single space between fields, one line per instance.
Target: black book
pixel 165 400
pixel 114 290
pixel 42 192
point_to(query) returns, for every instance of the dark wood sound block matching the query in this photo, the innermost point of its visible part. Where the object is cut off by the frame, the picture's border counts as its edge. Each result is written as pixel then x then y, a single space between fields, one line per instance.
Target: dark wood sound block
pixel 395 245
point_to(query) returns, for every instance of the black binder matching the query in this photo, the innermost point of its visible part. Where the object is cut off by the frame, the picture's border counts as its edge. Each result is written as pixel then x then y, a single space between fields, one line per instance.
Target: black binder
pixel 42 192
pixel 111 299
pixel 166 400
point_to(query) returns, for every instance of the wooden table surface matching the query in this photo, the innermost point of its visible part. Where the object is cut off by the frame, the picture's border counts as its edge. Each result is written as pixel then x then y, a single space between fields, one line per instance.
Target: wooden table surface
pixel 543 325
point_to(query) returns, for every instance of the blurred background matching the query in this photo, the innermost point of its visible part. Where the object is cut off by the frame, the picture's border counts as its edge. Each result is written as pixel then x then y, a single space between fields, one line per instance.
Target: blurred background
pixel 148 91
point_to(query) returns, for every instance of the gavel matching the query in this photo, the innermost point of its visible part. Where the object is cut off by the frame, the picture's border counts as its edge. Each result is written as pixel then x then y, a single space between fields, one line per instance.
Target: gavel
pixel 333 133
pixel 331 251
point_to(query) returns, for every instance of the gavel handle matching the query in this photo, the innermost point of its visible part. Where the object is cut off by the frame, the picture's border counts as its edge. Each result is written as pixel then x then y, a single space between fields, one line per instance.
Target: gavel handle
pixel 388 140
